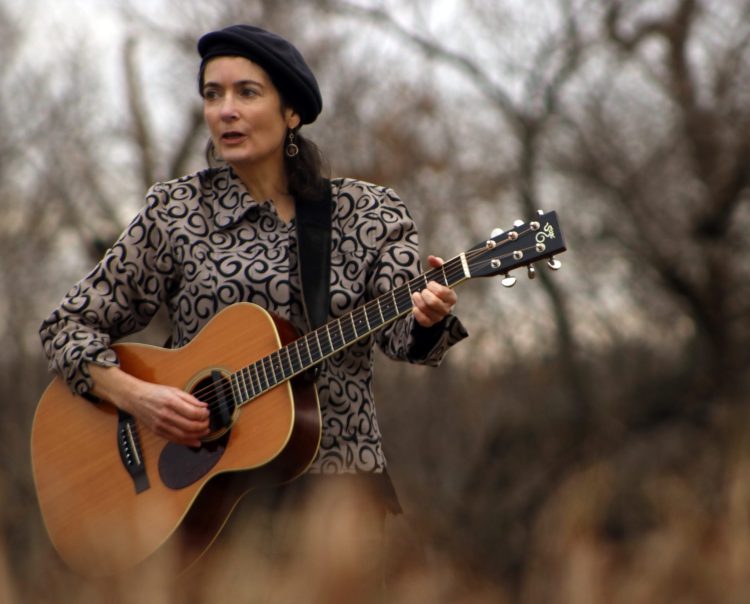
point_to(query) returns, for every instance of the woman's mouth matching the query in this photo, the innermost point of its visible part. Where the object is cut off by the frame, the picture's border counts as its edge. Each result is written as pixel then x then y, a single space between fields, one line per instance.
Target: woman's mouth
pixel 232 137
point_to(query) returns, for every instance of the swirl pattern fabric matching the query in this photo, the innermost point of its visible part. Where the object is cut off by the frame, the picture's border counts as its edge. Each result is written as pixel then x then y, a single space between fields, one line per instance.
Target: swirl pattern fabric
pixel 201 243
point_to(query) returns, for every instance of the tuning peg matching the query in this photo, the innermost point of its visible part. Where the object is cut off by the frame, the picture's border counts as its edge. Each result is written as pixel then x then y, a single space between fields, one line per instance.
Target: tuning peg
pixel 496 233
pixel 531 271
pixel 554 264
pixel 518 223
pixel 508 281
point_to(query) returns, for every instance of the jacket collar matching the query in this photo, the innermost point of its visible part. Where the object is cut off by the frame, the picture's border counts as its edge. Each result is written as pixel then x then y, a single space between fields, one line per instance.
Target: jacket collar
pixel 229 198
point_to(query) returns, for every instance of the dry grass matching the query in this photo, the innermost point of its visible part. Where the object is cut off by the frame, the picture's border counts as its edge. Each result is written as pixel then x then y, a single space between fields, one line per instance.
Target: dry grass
pixel 331 551
pixel 689 555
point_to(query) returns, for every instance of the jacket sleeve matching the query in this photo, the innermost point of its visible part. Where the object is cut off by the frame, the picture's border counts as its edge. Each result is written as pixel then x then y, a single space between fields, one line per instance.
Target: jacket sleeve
pixel 397 263
pixel 118 297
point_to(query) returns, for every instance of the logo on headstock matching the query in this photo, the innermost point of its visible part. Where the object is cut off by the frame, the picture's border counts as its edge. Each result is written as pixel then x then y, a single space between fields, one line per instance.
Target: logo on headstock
pixel 548 232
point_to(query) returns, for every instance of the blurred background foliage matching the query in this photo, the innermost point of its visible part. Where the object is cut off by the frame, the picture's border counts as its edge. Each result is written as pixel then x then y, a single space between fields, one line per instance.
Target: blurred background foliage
pixel 594 425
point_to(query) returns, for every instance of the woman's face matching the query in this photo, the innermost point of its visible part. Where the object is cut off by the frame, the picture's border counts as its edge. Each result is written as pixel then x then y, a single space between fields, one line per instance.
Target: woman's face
pixel 242 109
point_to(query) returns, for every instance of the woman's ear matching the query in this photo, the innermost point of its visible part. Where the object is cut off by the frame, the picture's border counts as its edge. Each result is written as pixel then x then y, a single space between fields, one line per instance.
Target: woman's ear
pixel 293 120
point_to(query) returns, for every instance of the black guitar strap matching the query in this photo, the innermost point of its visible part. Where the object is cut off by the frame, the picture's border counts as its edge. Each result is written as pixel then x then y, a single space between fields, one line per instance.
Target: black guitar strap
pixel 314 254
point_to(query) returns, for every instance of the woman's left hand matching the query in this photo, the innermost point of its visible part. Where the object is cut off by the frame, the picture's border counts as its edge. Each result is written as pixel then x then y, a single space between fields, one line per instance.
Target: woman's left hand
pixel 433 303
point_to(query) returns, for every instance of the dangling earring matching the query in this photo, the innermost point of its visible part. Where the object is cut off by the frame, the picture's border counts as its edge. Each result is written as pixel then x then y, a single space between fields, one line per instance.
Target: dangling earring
pixel 292 150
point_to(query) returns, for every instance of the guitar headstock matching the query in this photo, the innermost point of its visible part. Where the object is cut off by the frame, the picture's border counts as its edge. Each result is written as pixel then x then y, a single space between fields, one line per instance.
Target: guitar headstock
pixel 522 245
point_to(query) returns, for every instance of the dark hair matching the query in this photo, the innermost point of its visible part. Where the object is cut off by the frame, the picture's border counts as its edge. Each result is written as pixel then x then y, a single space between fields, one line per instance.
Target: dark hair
pixel 306 171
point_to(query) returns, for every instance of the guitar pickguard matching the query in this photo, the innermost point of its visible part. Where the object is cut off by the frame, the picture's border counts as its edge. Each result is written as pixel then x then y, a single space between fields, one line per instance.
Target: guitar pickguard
pixel 180 466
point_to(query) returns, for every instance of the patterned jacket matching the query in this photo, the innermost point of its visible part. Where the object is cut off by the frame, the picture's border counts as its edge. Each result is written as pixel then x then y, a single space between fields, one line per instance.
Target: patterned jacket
pixel 202 243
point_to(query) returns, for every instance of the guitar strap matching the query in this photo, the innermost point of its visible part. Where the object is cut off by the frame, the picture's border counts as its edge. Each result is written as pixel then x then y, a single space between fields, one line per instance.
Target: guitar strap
pixel 313 219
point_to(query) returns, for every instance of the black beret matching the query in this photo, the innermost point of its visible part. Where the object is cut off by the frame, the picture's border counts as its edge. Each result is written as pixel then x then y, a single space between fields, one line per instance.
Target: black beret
pixel 282 61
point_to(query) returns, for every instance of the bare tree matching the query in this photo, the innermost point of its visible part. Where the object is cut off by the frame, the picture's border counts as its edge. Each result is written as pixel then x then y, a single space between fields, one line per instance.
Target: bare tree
pixel 638 117
pixel 629 119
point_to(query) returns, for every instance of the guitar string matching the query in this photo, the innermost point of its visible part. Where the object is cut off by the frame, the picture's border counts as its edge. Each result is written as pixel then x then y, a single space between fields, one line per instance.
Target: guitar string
pixel 453 268
pixel 209 395
pixel 401 297
pixel 216 404
pixel 372 309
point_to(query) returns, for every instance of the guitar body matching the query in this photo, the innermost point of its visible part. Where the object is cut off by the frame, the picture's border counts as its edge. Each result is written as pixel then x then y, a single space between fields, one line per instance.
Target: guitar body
pixel 104 520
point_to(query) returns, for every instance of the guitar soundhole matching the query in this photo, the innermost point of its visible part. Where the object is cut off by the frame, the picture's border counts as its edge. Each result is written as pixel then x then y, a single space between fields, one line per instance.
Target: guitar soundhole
pixel 216 391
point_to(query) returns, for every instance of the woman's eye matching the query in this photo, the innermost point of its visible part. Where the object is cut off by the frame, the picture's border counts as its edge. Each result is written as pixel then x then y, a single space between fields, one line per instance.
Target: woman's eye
pixel 248 92
pixel 210 95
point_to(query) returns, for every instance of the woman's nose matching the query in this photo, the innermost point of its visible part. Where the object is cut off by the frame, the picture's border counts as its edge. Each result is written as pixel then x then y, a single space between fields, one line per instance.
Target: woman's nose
pixel 228 108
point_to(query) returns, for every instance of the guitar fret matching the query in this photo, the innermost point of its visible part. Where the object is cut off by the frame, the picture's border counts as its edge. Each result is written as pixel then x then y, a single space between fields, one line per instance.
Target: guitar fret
pixel 303 348
pixel 235 388
pixel 292 369
pixel 387 310
pixel 362 321
pixel 259 376
pixel 406 302
pixel 330 341
pixel 321 344
pixel 367 322
pixel 257 381
pixel 245 391
pixel 246 374
pixel 375 321
pixel 380 310
pixel 445 276
pixel 285 365
pixel 242 390
pixel 275 362
pixel 395 303
pixel 299 355
pixel 263 376
pixel 341 333
pixel 337 339
pixel 313 337
pixel 269 380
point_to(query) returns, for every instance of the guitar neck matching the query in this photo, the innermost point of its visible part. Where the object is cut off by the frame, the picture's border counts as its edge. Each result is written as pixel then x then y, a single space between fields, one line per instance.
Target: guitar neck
pixel 521 246
pixel 336 335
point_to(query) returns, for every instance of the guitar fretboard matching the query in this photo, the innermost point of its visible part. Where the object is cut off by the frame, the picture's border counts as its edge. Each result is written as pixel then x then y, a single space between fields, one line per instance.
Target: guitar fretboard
pixel 307 351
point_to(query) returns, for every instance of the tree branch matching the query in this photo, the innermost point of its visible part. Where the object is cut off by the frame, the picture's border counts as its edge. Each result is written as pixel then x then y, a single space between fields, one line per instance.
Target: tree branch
pixel 138 115
pixel 481 78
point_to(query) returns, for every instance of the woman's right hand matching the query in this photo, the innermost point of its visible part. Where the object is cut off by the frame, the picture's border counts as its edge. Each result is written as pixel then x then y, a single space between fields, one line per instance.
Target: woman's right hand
pixel 167 411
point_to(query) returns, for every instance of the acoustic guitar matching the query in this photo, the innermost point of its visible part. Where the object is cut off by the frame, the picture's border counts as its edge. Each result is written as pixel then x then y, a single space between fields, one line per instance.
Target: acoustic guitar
pixel 114 495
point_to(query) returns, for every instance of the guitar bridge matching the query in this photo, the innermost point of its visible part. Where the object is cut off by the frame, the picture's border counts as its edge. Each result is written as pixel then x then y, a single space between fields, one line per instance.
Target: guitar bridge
pixel 129 446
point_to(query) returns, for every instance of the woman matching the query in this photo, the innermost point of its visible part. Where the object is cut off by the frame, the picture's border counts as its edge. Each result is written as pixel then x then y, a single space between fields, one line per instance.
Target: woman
pixel 227 234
